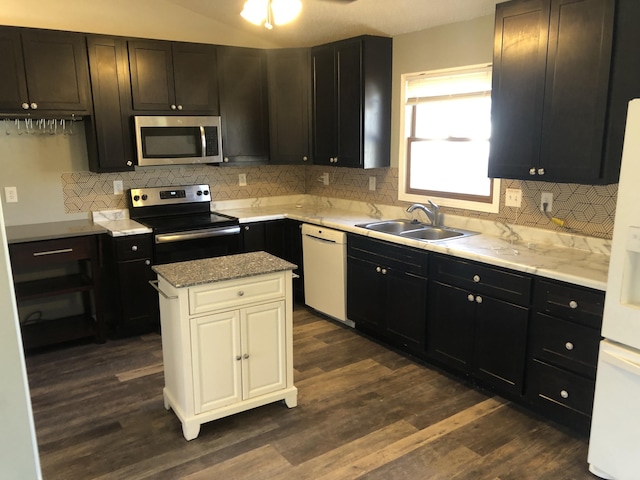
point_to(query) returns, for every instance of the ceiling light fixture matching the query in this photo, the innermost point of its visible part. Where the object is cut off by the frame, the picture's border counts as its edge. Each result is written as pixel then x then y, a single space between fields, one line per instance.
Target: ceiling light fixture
pixel 271 12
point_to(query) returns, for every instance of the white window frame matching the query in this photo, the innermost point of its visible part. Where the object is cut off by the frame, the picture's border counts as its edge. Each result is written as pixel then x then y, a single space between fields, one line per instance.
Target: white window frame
pixel 492 207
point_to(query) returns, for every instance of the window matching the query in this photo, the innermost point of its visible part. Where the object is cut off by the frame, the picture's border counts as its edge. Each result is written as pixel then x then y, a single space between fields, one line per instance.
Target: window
pixel 446 128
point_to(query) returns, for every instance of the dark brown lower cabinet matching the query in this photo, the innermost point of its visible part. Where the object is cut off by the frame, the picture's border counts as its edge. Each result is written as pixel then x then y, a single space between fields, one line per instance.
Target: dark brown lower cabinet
pixel 563 352
pixel 134 303
pixel 387 292
pixel 477 322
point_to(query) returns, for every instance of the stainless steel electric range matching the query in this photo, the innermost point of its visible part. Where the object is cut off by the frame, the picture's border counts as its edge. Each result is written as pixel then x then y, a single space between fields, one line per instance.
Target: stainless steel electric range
pixel 184 228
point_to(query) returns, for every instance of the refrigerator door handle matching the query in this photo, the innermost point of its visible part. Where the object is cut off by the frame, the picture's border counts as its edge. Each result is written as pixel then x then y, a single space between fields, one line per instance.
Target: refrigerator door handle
pixel 620 362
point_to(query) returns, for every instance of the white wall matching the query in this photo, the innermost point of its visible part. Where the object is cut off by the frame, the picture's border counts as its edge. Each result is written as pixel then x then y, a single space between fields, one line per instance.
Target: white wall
pixel 18 446
pixel 446 46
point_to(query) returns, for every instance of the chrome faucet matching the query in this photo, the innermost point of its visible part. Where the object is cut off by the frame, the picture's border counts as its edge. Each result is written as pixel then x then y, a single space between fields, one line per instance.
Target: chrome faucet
pixel 433 214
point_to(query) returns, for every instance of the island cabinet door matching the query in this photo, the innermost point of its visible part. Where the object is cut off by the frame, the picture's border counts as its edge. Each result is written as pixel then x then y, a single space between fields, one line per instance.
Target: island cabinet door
pixel 263 349
pixel 216 360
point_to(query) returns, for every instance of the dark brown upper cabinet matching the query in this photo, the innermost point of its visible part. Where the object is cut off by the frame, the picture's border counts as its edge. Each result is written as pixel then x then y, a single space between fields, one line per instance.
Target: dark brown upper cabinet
pixel 242 76
pixel 173 77
pixel 563 73
pixel 352 102
pixel 289 83
pixel 43 72
pixel 109 130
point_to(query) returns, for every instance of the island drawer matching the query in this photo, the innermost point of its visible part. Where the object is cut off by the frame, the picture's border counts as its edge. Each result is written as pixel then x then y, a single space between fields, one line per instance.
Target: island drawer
pixel 235 293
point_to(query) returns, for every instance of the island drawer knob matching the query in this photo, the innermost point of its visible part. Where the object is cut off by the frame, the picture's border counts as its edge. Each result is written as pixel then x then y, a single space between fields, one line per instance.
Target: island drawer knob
pixel 240 293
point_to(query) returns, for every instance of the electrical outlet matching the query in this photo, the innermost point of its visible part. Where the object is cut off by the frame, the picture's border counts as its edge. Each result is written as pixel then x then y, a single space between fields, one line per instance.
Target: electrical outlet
pixel 117 187
pixel 513 197
pixel 242 179
pixel 372 183
pixel 546 197
pixel 11 194
pixel 325 178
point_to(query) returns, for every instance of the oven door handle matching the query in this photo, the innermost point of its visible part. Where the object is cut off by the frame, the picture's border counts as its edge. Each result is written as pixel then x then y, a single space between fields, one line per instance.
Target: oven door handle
pixel 196 234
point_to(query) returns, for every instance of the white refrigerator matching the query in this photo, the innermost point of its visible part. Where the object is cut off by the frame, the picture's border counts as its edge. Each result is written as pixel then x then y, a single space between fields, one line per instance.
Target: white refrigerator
pixel 614 444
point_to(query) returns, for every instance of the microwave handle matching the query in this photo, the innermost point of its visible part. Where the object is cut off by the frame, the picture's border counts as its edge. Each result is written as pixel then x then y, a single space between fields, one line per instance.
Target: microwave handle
pixel 203 141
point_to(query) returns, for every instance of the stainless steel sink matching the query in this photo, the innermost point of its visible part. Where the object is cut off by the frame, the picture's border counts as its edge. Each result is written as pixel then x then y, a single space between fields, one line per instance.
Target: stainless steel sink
pixel 416 230
pixel 393 226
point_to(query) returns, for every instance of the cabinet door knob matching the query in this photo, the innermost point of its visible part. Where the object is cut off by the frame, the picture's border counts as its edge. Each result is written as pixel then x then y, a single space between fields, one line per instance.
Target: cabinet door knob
pixel 573 304
pixel 478 299
pixel 378 269
pixel 129 163
pixel 541 171
pixel 147 262
pixel 568 346
pixel 172 107
pixel 305 158
pixel 179 107
pixel 226 159
pixel 245 356
pixel 25 106
pixel 134 248
pixel 241 293
pixel 564 394
pixel 470 297
pixel 476 278
pixel 532 171
pixel 384 271
pixel 34 106
pixel 238 357
pixel 246 227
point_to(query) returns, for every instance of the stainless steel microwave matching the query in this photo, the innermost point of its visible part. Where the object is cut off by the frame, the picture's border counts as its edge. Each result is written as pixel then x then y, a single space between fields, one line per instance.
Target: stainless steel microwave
pixel 179 140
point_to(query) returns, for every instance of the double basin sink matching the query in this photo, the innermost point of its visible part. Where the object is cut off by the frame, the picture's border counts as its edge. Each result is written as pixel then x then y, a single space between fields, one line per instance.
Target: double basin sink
pixel 416 230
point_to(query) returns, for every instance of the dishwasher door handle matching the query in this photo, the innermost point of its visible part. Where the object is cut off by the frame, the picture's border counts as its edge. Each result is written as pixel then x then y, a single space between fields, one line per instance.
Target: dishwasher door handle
pixel 320 238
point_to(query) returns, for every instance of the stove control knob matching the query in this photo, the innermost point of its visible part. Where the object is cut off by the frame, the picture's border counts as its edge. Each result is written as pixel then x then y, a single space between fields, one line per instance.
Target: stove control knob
pixel 136 197
pixel 144 196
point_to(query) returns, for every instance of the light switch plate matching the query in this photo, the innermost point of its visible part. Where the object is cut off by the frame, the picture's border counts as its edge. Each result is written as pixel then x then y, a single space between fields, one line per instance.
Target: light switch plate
pixel 117 187
pixel 11 194
pixel 513 197
pixel 372 183
pixel 242 179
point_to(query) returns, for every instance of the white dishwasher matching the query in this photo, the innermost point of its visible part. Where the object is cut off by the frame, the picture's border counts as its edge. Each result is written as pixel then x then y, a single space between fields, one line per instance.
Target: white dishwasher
pixel 325 271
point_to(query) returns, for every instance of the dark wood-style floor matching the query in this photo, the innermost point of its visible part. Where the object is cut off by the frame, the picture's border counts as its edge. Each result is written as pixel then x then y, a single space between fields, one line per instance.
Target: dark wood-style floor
pixel 364 412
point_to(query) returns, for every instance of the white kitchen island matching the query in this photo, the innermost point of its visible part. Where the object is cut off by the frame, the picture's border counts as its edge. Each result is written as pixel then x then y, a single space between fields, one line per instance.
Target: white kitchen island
pixel 226 336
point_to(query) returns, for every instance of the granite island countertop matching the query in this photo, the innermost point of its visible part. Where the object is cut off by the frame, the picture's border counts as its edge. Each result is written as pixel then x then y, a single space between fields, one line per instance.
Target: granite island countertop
pixel 218 269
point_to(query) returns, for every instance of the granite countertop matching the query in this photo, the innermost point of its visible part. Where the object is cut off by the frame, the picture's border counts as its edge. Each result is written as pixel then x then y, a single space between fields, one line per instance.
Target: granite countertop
pixel 217 269
pixel 51 231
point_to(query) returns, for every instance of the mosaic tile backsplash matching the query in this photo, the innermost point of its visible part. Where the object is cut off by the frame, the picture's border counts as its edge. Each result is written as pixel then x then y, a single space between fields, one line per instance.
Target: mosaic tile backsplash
pixel 585 209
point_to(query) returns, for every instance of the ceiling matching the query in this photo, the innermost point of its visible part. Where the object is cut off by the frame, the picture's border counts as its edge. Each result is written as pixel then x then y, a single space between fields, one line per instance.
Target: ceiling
pixel 324 21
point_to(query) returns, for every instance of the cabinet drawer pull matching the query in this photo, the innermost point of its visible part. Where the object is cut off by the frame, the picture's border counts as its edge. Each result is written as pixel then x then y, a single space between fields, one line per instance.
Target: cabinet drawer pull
pixel 478 299
pixel 245 356
pixel 568 346
pixel 53 252
pixel 470 297
pixel 564 394
pixel 241 293
pixel 573 304
pixel 476 278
